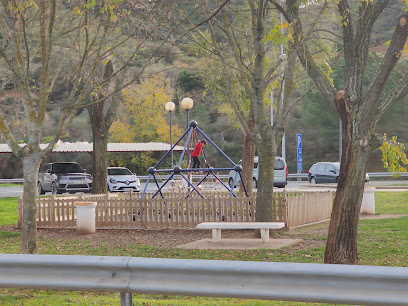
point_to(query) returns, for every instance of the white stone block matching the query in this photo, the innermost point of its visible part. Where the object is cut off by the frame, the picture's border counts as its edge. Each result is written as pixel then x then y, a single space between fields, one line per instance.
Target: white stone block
pixel 85 212
pixel 368 202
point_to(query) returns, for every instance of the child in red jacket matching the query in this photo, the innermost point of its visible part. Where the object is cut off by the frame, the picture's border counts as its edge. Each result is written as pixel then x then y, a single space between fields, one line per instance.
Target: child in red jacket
pixel 196 153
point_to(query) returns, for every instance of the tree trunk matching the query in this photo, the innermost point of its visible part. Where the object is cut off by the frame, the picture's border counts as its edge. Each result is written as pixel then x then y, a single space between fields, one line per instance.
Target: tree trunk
pixel 102 116
pixel 341 246
pixel 31 165
pixel 100 152
pixel 360 108
pixel 248 154
pixel 266 153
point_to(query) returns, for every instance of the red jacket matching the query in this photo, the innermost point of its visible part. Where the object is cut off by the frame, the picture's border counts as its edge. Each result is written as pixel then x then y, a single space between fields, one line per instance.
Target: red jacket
pixel 197 149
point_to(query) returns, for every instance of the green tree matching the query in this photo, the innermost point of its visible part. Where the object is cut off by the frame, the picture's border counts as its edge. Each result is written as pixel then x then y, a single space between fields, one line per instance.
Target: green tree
pixel 360 108
pixel 142 33
pixel 242 52
pixel 43 30
pixel 62 43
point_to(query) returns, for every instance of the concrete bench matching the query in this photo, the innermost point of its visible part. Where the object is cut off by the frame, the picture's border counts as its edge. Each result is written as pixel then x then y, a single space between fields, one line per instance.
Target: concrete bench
pixel 264 227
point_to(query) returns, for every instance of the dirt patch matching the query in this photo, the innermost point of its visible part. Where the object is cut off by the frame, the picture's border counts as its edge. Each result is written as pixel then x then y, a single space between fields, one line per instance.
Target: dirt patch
pixel 168 238
pixel 383 216
pixel 312 236
pixel 159 238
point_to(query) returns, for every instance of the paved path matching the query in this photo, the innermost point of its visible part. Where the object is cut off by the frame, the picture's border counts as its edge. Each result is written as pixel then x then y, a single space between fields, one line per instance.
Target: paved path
pixel 394 186
pixel 14 191
pixel 239 244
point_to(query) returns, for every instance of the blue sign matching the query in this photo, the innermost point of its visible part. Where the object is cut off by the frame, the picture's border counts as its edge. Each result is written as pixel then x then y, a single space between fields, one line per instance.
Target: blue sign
pixel 299 155
pixel 299 141
pixel 299 152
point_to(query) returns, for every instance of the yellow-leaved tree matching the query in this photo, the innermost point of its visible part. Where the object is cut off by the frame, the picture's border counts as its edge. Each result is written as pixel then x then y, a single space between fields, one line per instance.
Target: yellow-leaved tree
pixel 142 118
pixel 393 155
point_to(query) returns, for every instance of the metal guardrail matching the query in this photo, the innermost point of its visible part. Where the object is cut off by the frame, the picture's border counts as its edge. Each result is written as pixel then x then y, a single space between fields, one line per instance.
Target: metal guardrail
pixel 369 285
pixel 15 180
pixel 220 176
pixel 297 175
pixel 370 174
pixel 223 176
pixel 384 174
pixel 290 175
pixel 194 176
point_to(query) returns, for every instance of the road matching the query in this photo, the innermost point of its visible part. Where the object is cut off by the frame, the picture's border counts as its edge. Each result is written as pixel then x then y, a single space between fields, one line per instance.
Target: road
pixel 17 191
pixel 14 191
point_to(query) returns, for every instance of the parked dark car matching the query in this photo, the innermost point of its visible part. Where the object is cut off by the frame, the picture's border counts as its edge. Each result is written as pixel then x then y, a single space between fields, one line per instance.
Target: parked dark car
pixel 63 177
pixel 326 172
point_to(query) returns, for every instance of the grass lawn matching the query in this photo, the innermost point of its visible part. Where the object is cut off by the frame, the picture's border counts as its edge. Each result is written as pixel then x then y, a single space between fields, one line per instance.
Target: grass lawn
pixel 391 202
pixel 8 211
pixel 381 242
pixel 11 184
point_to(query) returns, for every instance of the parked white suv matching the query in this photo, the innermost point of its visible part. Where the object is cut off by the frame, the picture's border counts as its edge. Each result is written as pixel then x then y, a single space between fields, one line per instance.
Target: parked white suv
pixel 63 177
pixel 280 174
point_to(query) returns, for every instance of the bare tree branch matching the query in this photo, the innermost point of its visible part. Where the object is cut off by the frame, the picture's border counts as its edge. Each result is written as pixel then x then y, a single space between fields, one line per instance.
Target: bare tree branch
pixel 399 38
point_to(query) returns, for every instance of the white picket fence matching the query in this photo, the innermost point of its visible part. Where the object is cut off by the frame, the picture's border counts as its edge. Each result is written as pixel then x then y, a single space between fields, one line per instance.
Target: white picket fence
pixel 179 211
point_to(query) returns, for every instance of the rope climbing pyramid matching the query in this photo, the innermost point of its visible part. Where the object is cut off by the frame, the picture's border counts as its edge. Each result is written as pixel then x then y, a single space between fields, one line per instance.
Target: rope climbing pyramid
pixel 208 172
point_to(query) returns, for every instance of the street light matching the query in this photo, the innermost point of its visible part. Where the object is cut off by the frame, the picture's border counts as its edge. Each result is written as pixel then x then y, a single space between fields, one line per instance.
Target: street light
pixel 170 107
pixel 282 57
pixel 187 104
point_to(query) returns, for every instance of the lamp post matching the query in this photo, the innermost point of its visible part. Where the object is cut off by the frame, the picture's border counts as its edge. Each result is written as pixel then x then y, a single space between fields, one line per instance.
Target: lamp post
pixel 187 104
pixel 170 107
pixel 283 88
pixel 282 56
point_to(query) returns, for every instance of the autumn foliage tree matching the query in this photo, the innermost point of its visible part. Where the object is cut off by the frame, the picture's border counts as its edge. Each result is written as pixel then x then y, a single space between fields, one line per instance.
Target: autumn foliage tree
pixel 137 36
pixel 394 156
pixel 142 116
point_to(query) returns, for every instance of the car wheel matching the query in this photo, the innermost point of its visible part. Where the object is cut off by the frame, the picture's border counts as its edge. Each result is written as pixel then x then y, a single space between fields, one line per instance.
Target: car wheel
pixel 53 188
pixel 254 183
pixel 281 186
pixel 230 182
pixel 39 189
pixel 313 180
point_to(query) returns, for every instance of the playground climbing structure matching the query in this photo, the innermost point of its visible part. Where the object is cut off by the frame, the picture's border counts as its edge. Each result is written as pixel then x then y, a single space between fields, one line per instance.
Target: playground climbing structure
pixel 209 172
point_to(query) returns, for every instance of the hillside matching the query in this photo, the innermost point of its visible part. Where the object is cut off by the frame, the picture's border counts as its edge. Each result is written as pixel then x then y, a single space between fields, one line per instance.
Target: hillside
pixel 314 119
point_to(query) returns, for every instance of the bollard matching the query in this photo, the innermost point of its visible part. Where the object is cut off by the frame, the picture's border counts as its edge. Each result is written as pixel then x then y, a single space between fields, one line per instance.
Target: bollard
pixel 85 212
pixel 368 202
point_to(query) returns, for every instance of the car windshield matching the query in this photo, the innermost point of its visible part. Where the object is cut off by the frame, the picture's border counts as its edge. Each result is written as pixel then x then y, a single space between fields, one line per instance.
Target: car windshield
pixel 119 171
pixel 67 168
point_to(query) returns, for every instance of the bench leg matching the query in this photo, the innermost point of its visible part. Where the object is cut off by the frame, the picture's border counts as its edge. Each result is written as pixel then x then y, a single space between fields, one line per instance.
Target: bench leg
pixel 265 234
pixel 216 234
